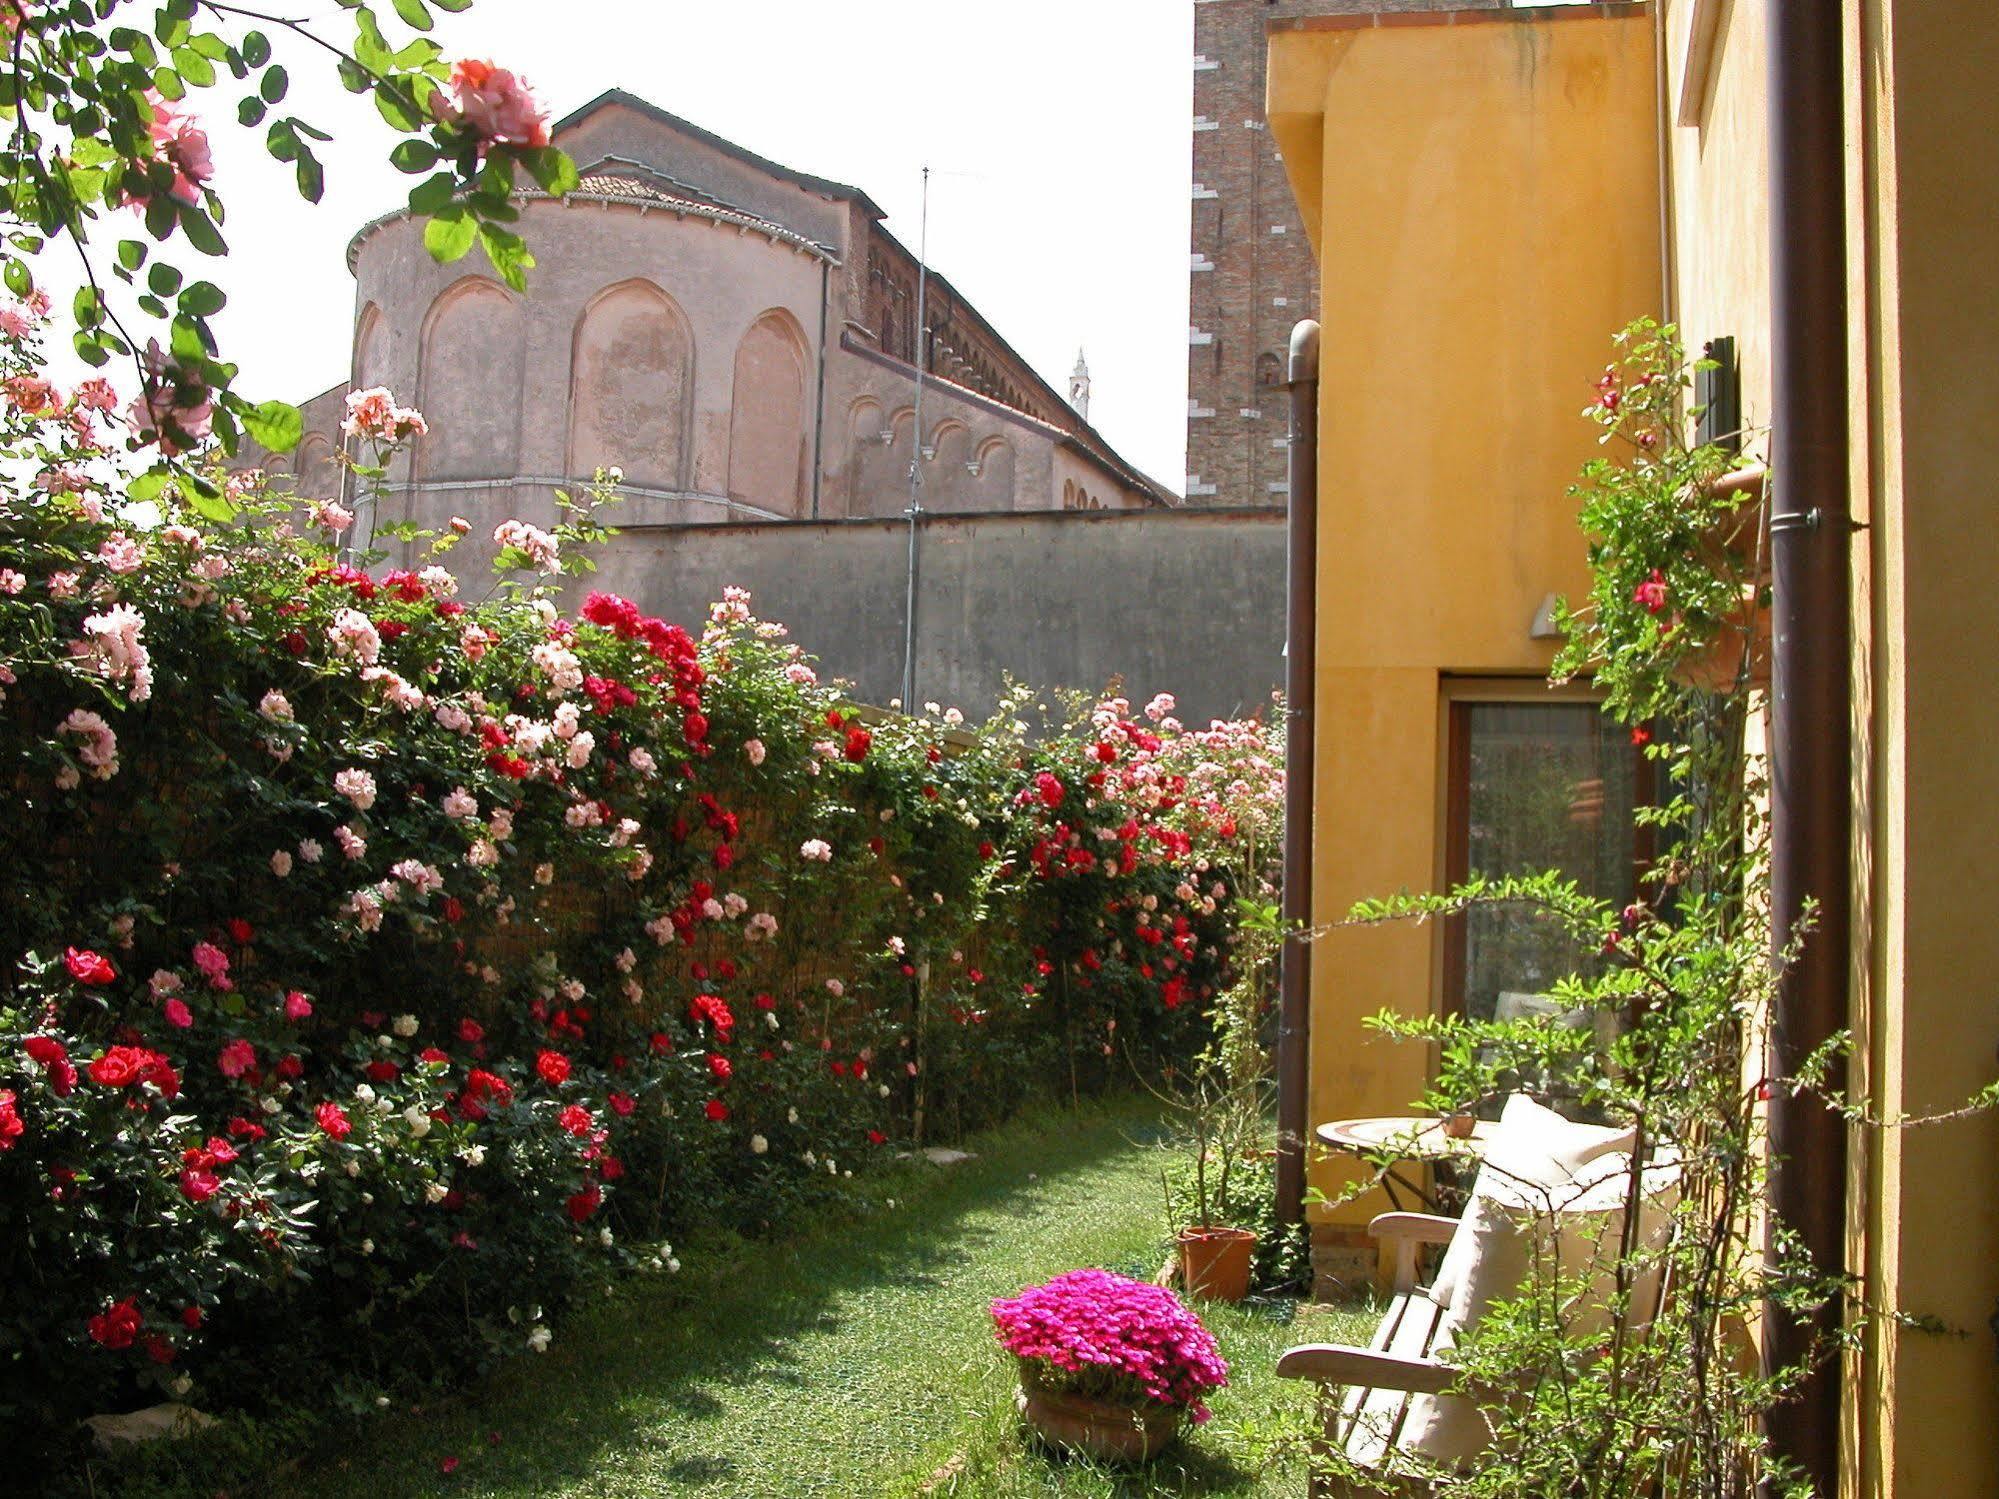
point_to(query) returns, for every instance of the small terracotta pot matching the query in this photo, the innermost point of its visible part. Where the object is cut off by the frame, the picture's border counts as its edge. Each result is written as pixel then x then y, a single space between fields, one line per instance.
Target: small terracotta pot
pixel 1719 668
pixel 1214 1262
pixel 1459 1126
pixel 1099 1428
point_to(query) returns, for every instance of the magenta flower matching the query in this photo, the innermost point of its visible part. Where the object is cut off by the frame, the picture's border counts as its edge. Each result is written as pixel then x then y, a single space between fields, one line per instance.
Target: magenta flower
pixel 1093 1333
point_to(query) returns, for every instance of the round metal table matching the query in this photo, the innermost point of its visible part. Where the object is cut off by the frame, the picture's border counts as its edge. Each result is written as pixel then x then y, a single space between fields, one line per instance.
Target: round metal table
pixel 1388 1139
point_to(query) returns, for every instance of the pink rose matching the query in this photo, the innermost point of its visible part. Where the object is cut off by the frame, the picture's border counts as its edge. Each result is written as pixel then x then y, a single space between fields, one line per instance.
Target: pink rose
pixel 494 104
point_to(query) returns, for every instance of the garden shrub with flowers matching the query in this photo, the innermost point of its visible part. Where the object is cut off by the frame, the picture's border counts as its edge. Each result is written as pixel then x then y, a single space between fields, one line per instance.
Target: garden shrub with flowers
pixel 1106 1337
pixel 385 965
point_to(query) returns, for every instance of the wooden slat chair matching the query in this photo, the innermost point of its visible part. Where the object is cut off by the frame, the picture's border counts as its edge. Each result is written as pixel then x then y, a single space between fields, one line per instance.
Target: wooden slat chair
pixel 1378 1380
pixel 1365 1422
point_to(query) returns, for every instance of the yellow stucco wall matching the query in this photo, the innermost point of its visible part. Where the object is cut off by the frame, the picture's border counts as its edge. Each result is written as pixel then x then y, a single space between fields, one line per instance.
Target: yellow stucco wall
pixel 1484 197
pixel 1925 402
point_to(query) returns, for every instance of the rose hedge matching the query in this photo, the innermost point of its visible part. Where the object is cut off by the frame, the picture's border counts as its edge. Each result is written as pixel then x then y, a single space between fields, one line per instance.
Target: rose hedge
pixel 380 963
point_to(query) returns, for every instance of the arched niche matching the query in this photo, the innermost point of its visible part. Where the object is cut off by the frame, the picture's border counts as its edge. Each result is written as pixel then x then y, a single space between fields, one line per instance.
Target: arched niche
pixel 768 425
pixel 371 352
pixel 469 383
pixel 996 476
pixel 318 474
pixel 631 387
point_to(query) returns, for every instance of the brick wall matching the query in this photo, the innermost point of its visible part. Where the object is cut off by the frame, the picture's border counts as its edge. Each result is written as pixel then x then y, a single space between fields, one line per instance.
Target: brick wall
pixel 1252 275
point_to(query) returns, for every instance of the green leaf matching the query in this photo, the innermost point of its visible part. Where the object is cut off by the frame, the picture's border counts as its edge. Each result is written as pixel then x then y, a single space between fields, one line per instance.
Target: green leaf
pixel 275 425
pixel 553 169
pixel 282 141
pixel 148 486
pixel 203 299
pixel 86 308
pixel 454 6
pixel 414 156
pixel 89 350
pixel 209 45
pixel 186 342
pixel 273 85
pixel 208 499
pixel 371 48
pixel 20 283
pixel 393 107
pixel 167 81
pixel 509 254
pixel 250 111
pixel 201 231
pixel 431 194
pixel 449 234
pixel 256 48
pixel 413 12
pixel 311 177
pixel 131 253
pixel 195 68
pixel 164 279
pixel 353 77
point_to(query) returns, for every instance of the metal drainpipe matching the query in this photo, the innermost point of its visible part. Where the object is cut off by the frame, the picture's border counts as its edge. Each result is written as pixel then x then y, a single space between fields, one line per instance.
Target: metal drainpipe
pixel 1810 729
pixel 1301 623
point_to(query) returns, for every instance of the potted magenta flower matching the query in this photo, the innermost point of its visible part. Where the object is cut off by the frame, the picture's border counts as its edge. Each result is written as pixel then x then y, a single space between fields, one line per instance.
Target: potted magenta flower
pixel 1109 1367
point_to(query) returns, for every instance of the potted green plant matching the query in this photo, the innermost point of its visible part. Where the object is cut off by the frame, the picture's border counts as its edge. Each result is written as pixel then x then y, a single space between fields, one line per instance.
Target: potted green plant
pixel 1109 1367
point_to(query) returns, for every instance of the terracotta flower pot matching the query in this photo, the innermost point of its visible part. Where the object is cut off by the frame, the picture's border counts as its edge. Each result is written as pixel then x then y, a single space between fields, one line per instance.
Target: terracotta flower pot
pixel 1101 1429
pixel 1720 668
pixel 1214 1262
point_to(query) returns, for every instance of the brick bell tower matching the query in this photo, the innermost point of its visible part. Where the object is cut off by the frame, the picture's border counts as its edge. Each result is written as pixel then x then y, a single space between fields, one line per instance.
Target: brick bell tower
pixel 1251 275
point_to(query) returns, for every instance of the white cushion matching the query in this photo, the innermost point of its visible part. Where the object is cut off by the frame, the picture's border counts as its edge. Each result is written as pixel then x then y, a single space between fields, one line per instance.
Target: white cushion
pixel 1551 1192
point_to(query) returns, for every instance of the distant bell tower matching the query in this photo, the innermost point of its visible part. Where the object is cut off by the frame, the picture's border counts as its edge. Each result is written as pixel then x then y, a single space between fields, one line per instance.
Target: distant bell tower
pixel 1079 387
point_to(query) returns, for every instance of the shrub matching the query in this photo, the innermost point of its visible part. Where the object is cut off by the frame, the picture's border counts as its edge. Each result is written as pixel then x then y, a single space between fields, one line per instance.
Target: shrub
pixel 381 962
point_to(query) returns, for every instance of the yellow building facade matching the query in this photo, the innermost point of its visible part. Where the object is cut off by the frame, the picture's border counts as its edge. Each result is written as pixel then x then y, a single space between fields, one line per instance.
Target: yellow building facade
pixel 1492 194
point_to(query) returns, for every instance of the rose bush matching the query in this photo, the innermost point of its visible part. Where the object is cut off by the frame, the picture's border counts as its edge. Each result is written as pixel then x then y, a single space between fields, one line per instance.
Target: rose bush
pixel 381 962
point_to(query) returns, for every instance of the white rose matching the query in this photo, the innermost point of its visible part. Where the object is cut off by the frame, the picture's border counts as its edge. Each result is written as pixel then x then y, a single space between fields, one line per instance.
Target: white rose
pixel 758 1145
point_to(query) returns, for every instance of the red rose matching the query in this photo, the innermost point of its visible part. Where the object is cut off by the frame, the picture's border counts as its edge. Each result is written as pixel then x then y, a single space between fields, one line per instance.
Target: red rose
pixel 87 967
pixel 382 1070
pixel 160 1350
pixel 190 1317
pixel 198 1183
pixel 470 1031
pixel 719 1067
pixel 1050 788
pixel 117 1326
pixel 716 1110
pixel 858 741
pixel 235 1059
pixel 585 1203
pixel 241 932
pixel 575 1119
pixel 333 1120
pixel 622 1104
pixel 56 1066
pixel 553 1067
pixel 293 641
pixel 876 1137
pixel 11 1127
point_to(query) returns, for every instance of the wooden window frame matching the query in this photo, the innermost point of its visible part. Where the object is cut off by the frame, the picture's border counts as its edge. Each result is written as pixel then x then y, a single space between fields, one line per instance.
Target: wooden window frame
pixel 1455 701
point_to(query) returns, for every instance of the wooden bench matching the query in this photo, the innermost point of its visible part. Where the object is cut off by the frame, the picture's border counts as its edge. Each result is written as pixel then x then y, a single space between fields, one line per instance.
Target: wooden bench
pixel 1365 1420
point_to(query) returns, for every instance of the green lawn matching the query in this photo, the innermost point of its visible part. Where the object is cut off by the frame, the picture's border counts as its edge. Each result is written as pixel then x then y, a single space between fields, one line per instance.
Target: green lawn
pixel 854 1360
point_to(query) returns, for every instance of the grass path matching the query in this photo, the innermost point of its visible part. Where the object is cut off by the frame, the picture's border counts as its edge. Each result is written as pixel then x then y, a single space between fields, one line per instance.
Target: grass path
pixel 854 1361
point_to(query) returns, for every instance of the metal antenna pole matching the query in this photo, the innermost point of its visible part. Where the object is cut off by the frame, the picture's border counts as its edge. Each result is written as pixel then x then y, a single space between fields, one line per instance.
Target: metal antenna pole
pixel 915 510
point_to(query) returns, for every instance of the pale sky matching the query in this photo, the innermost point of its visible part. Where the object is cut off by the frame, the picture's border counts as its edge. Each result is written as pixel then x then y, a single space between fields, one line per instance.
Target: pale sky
pixel 1057 131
